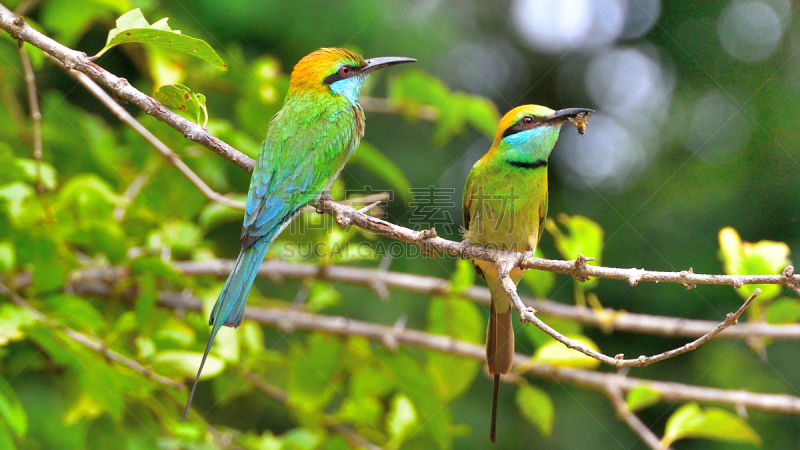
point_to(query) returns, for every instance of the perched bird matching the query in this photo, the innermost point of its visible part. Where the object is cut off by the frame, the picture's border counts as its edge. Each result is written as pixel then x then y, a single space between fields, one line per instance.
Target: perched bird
pixel 308 143
pixel 504 207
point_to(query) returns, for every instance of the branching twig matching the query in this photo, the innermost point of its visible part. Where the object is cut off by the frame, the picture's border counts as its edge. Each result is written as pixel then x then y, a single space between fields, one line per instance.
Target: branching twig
pixel 426 239
pixel 528 315
pixel 330 422
pixel 100 281
pixel 579 268
pixel 615 396
pixel 133 189
pixel 75 60
pixel 670 392
pixel 162 148
pixel 36 120
pixel 90 343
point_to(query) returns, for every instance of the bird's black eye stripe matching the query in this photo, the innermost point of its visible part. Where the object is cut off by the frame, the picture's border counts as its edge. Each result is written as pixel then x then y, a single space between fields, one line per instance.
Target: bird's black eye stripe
pixel 340 74
pixel 526 123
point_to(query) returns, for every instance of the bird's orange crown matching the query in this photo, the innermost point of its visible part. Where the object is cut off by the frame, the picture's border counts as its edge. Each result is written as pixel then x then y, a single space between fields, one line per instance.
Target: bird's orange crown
pixel 309 72
pixel 513 116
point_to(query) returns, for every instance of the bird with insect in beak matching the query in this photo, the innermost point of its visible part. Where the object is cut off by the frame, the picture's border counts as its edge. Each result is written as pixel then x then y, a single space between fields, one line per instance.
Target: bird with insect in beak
pixel 505 205
pixel 308 143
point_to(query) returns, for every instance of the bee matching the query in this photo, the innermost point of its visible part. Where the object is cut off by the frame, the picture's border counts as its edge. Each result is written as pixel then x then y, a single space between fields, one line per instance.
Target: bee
pixel 580 121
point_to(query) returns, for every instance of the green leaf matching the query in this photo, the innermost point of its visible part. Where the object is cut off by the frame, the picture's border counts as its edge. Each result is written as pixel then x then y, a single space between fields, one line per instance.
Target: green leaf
pixel 12 320
pixel 11 410
pixel 309 380
pixel 464 276
pixel 133 27
pixel 215 214
pixel 455 110
pixel 583 237
pixel 401 420
pixel 557 354
pixel 641 397
pixel 745 258
pixel 301 439
pixel 457 318
pixel 8 257
pixel 74 312
pixel 15 196
pixel 689 421
pixel 784 310
pixel 28 172
pixel 567 327
pixel 180 97
pixel 540 282
pixel 322 295
pixel 6 440
pixel 180 236
pixel 184 364
pixel 453 375
pixel 376 162
pixel 416 384
pixel 537 407
pixel 87 196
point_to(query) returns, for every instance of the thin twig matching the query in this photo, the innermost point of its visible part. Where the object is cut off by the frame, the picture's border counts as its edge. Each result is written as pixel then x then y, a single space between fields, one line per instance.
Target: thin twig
pixel 133 189
pixel 36 120
pixel 426 239
pixel 26 7
pixel 100 281
pixel 162 148
pixel 75 60
pixel 528 315
pixel 670 392
pixel 90 343
pixel 615 396
pixel 377 197
pixel 331 423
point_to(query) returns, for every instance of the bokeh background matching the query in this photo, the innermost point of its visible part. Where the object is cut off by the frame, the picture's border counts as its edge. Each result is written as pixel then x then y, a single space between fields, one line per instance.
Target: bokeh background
pixel 698 112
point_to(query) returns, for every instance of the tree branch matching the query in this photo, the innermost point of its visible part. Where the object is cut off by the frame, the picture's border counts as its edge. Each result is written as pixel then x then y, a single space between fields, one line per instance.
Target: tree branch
pixel 100 280
pixel 74 60
pixel 427 240
pixel 528 315
pixel 287 319
pixel 90 343
pixel 36 120
pixel 162 148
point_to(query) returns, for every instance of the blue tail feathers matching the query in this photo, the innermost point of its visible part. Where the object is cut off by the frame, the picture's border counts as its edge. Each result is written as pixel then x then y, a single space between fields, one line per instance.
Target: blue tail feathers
pixel 229 308
pixel 231 302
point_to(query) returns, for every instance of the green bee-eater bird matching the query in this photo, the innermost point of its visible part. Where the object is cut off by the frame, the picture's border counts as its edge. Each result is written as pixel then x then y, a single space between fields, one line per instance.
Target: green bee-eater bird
pixel 308 143
pixel 504 207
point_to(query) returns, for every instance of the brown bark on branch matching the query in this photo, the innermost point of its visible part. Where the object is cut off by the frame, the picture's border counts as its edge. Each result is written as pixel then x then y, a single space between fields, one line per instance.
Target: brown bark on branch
pixel 598 381
pixel 90 343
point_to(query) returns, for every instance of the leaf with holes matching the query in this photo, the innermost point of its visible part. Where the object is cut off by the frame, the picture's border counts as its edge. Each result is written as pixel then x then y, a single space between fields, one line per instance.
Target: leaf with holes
pixel 182 98
pixel 133 27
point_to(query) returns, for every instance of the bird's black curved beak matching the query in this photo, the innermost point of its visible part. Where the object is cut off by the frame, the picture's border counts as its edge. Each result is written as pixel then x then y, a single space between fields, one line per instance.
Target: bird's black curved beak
pixel 384 61
pixel 562 115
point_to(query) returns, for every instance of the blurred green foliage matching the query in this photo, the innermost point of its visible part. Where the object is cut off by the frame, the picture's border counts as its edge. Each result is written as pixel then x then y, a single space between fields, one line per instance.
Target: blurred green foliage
pixel 55 393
